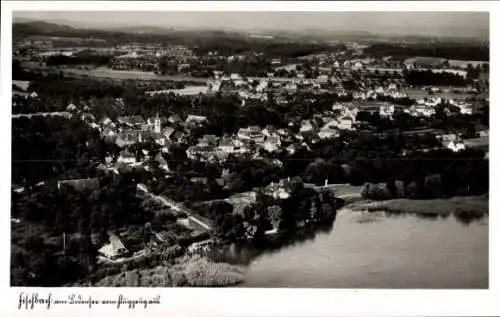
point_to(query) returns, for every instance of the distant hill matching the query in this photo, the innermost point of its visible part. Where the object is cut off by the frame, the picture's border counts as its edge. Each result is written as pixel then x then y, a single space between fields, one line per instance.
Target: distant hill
pixel 41 27
pixel 139 29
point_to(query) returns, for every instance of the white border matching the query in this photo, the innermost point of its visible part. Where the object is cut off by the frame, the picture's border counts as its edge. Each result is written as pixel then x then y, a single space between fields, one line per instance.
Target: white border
pixel 260 302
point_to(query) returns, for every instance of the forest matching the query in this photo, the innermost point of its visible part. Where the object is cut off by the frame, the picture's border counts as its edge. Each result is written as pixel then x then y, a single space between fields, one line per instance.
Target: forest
pixel 45 148
pixel 84 216
pixel 446 50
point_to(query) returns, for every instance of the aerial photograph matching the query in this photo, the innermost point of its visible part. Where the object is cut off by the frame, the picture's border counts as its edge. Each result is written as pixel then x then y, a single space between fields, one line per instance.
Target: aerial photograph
pixel 250 149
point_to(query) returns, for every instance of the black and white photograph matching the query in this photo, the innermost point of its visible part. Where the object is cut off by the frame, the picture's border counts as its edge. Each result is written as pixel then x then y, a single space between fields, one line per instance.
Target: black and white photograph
pixel 240 149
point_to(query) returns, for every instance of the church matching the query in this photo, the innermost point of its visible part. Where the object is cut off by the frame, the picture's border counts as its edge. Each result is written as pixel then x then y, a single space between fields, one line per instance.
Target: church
pixel 152 129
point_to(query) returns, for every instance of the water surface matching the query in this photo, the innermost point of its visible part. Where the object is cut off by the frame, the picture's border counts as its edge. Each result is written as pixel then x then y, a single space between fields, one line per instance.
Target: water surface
pixel 378 251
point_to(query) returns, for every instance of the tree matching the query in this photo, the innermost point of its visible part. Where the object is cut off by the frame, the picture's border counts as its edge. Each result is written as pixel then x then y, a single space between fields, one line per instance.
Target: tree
pixel 275 213
pixel 433 185
pixel 400 189
pixel 413 190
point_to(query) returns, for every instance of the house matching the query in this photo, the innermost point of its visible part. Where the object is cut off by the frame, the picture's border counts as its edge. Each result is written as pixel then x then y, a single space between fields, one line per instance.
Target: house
pixel 235 76
pixel 269 131
pixel 262 85
pixel 162 162
pixel 484 133
pixel 306 126
pixel 105 121
pixel 379 90
pixel 360 95
pixel 250 133
pixel 328 133
pixel 371 94
pixel 126 157
pixel 226 145
pixel 392 86
pixel 71 107
pixel 432 102
pixel 448 137
pixel 386 111
pixel 196 119
pixel 280 190
pixel 455 146
pixel 138 120
pixel 202 246
pixel 272 143
pixel 358 65
pixel 199 152
pixel 322 79
pixel 168 132
pixel 173 119
pixel 276 61
pixel 94 125
pixel 291 86
pixel 208 140
pixel 346 123
pixel 124 120
pixel 108 131
pixel 113 249
pixel 398 95
pixel 465 108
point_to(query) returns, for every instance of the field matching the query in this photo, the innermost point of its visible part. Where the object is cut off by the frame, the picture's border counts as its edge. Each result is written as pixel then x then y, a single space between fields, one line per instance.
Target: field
pixel 119 74
pixel 425 60
pixel 104 72
pixel 463 64
pixel 414 93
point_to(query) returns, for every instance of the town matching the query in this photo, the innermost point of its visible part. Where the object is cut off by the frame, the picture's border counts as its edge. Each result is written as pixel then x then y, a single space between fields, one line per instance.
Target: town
pixel 143 159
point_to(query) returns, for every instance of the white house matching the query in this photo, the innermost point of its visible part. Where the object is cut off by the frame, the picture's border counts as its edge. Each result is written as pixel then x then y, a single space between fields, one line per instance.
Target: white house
pixel 272 143
pixel 291 86
pixel 306 126
pixel 226 145
pixel 113 249
pixel 338 106
pixel 386 111
pixel 126 157
pixel 71 107
pixel 196 119
pixel 346 123
pixel 235 76
pixel 322 78
pixel 358 65
pixel 455 146
pixel 200 246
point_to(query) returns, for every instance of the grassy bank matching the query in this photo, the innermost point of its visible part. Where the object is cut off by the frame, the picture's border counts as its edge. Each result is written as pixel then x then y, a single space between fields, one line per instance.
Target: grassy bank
pixel 468 206
pixel 191 271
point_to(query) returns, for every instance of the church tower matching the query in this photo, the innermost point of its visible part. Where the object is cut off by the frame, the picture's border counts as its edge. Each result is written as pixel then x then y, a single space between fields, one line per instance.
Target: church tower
pixel 157 128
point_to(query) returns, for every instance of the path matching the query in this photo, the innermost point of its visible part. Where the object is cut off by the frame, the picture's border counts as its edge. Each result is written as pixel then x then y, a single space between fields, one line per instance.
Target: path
pixel 42 114
pixel 204 223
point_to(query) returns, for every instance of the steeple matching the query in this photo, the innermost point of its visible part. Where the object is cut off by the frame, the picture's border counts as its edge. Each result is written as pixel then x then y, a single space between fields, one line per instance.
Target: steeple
pixel 157 128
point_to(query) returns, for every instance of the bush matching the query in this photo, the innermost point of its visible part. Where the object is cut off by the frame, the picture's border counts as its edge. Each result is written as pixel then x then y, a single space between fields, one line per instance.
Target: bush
pixel 376 191
pixel 413 190
pixel 400 189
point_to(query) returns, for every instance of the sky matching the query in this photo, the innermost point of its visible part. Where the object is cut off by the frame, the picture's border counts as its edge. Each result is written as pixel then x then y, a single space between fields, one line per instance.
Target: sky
pixel 469 24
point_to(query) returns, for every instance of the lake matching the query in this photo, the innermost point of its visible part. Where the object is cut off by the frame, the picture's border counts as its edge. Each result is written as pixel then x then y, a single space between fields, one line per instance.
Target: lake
pixel 377 251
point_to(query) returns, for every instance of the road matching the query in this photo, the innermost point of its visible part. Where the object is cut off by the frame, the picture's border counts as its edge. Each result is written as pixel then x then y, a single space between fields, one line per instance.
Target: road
pixel 42 114
pixel 204 223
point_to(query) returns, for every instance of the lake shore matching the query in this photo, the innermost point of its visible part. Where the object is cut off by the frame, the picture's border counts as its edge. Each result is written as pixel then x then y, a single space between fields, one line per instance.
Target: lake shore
pixel 466 206
pixel 191 271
